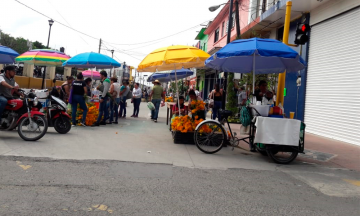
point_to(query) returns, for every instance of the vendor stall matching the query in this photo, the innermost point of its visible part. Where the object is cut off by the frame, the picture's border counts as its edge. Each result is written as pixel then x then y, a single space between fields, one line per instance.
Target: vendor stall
pixel 176 58
pixel 91 60
pixel 276 137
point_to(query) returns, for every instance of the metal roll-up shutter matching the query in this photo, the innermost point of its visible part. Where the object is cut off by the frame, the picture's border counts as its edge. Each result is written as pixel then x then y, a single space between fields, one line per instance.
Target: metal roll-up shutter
pixel 332 106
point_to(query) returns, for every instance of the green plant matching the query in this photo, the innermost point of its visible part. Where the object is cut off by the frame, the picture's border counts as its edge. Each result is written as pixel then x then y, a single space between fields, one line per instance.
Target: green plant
pixel 231 103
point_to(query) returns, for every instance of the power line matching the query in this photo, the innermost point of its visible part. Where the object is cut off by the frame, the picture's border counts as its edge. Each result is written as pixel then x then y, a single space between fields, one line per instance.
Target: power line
pixel 56 21
pixel 99 38
pixel 160 38
pixel 68 22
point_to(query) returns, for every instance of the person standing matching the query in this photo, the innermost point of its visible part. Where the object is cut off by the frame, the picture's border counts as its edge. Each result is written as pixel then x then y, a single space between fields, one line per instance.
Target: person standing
pixel 78 92
pixel 65 89
pixel 124 90
pixel 115 100
pixel 136 100
pixel 104 88
pixel 216 95
pixel 88 86
pixel 156 95
pixel 242 97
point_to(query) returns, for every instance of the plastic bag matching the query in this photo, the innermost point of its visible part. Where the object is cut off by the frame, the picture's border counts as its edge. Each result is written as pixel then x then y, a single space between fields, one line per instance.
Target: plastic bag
pixel 151 106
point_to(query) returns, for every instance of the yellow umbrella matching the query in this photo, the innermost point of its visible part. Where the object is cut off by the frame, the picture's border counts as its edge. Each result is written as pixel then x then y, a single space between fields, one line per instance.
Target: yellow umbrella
pixel 173 58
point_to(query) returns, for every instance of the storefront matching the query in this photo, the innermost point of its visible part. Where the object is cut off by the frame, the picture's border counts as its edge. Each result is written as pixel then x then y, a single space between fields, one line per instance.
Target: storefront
pixel 332 102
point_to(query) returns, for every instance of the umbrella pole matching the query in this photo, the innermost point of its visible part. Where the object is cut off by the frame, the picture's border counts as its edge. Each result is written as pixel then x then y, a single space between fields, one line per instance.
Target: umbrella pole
pixel 177 92
pixel 254 75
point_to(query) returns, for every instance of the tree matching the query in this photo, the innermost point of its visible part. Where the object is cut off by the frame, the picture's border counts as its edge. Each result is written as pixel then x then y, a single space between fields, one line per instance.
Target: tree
pixel 231 96
pixel 182 87
pixel 271 79
pixel 18 44
pixel 38 45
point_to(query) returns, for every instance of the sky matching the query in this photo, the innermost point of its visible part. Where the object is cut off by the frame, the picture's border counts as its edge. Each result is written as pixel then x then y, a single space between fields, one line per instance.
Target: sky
pixel 123 25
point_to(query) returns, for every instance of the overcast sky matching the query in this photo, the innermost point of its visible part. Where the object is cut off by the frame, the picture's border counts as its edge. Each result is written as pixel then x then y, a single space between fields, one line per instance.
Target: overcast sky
pixel 115 21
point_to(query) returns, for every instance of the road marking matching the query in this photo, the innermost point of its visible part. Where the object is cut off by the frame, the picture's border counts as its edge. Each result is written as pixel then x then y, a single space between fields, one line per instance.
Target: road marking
pixel 102 207
pixel 353 182
pixel 25 167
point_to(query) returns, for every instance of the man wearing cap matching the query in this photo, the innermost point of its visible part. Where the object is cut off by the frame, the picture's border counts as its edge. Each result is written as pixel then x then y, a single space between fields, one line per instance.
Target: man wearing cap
pixel 157 94
pixel 7 85
pixel 104 88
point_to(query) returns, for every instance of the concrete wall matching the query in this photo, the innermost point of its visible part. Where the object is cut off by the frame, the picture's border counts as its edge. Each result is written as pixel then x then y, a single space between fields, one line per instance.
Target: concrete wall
pixel 330 9
pixel 35 83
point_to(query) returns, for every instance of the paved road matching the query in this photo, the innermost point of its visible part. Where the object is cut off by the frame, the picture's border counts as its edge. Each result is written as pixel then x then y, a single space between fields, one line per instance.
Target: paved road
pixel 135 169
pixel 33 186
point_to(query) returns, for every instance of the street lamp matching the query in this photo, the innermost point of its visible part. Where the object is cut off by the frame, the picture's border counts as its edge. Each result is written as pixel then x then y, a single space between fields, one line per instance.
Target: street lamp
pixel 112 53
pixel 51 22
pixel 215 7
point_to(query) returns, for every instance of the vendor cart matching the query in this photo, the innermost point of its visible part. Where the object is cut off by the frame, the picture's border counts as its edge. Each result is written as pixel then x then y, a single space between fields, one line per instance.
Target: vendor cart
pixel 210 135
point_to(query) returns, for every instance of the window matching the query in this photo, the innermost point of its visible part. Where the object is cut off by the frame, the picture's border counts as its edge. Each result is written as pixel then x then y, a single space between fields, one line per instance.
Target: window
pixel 216 38
pixel 233 19
pixel 204 47
pixel 222 29
pixel 226 27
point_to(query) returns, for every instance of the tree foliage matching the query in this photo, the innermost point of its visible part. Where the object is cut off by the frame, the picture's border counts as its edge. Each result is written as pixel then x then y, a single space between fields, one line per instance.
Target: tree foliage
pixel 231 103
pixel 181 85
pixel 18 44
pixel 271 79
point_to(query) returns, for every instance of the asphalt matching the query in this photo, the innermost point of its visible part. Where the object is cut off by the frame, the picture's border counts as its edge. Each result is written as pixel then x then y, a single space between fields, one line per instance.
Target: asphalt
pixel 134 168
pixel 40 186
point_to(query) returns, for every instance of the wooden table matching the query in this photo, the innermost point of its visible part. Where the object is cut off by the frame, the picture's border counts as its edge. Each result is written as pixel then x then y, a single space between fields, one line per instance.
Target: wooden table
pixel 170 107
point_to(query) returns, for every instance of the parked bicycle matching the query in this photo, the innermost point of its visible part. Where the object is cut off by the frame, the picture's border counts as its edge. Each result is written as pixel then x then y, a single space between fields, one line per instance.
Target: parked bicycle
pixel 211 135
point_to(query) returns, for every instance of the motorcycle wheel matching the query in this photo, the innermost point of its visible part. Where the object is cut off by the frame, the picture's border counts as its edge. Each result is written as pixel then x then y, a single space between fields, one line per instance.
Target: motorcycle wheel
pixel 35 131
pixel 62 125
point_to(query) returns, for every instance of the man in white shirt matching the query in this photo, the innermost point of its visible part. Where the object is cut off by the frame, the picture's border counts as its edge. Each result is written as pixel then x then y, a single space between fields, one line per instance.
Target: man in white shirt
pixel 242 96
pixel 136 100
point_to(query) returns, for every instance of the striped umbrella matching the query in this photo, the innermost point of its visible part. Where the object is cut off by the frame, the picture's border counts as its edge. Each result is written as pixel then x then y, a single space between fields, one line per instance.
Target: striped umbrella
pixel 43 57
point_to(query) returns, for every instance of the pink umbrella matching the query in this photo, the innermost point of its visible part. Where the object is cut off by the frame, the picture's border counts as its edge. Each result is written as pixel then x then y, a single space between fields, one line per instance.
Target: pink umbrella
pixel 94 74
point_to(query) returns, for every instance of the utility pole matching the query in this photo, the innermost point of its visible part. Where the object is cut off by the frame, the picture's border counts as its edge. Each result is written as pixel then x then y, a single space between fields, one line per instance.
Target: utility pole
pixel 237 18
pixel 227 41
pixel 99 45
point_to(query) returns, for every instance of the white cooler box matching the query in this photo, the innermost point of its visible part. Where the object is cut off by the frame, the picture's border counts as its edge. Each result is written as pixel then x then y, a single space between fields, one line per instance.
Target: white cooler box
pixel 262 109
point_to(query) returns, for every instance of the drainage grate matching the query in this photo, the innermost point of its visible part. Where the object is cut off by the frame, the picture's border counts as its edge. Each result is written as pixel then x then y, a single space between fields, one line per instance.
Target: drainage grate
pixel 316 155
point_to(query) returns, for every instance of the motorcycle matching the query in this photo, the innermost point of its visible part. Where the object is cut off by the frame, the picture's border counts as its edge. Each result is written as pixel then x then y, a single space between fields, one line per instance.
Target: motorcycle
pixel 57 116
pixel 23 114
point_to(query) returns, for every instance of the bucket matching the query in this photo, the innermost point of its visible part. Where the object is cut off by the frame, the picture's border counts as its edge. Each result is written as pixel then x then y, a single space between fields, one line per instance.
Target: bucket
pixel 262 109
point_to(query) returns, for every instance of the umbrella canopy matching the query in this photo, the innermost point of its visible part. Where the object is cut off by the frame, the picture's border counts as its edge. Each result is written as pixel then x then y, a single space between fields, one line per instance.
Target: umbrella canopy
pixel 91 60
pixel 94 74
pixel 7 55
pixel 173 57
pixel 263 56
pixel 43 57
pixel 167 76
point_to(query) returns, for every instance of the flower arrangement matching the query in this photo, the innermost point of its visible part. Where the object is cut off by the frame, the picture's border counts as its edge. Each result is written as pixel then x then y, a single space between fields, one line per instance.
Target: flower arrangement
pixel 186 124
pixel 91 116
pixel 169 99
pixel 197 105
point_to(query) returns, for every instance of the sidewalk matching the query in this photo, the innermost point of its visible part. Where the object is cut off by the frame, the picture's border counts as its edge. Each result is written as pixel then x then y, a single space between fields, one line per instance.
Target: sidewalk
pixel 323 151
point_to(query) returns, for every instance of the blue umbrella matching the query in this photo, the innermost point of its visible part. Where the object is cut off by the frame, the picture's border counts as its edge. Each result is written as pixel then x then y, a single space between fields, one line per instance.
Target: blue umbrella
pixel 260 56
pixel 170 76
pixel 7 55
pixel 91 60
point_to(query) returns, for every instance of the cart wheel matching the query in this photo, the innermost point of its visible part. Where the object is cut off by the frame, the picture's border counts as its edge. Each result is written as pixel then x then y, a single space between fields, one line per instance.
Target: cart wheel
pixel 210 137
pixel 281 154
